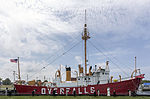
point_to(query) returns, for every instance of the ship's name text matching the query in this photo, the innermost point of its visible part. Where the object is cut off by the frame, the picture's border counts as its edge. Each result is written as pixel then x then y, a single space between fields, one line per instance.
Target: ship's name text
pixel 79 90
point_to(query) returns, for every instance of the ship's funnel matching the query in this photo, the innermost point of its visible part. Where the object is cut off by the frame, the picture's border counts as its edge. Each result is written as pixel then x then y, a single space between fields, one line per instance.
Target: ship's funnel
pixel 68 74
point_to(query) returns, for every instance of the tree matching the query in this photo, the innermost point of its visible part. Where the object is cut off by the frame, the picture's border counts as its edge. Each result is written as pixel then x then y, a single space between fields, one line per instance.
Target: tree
pixel 7 81
pixel 45 81
pixel 0 81
pixel 145 81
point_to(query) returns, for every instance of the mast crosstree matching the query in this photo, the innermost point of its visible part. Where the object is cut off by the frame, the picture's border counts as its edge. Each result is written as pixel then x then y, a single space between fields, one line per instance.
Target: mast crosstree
pixel 85 37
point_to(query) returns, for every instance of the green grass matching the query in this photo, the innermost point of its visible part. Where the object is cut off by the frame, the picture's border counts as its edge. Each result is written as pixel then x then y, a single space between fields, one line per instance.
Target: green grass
pixel 72 97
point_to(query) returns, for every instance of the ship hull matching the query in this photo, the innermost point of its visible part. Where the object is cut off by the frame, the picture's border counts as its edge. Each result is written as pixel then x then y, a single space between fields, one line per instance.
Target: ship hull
pixel 117 88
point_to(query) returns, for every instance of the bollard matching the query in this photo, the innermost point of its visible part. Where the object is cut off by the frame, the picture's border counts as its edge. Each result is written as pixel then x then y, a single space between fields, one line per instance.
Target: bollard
pixel 129 93
pixel 108 91
pixel 98 92
pixel 6 92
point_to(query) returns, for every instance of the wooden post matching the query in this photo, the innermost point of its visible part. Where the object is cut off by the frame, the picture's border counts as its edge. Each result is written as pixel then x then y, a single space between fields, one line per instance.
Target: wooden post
pixel 108 91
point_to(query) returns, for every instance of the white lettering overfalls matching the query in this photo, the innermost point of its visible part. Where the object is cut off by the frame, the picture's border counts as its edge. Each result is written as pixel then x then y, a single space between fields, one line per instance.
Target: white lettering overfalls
pixel 49 90
pixel 43 91
pixel 61 90
pixel 79 90
pixel 92 89
pixel 85 90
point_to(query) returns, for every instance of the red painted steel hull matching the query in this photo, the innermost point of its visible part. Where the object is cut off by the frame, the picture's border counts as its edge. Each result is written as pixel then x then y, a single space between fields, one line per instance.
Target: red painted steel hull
pixel 121 88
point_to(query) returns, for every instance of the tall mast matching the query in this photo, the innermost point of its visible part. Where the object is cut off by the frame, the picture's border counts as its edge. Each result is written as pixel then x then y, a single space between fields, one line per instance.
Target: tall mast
pixel 19 70
pixel 135 66
pixel 85 37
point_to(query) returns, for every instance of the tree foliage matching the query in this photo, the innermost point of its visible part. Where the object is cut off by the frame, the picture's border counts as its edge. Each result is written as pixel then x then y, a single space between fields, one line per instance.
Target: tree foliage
pixel 1 81
pixel 7 81
pixel 45 81
pixel 145 81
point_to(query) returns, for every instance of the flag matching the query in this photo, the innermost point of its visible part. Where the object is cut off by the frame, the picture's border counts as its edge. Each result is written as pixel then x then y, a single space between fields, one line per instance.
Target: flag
pixel 14 60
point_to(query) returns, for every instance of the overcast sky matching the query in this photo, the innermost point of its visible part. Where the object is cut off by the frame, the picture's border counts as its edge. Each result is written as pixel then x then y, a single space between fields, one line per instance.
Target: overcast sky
pixel 47 33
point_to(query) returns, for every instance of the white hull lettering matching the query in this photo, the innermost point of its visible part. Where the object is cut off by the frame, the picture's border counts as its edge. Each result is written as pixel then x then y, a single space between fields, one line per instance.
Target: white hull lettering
pixel 85 91
pixel 67 90
pixel 49 90
pixel 61 90
pixel 92 89
pixel 79 90
pixel 55 90
pixel 43 91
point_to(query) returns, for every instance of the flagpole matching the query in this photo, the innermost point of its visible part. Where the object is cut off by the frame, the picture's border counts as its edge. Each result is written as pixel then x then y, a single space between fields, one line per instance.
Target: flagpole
pixel 19 71
pixel 14 75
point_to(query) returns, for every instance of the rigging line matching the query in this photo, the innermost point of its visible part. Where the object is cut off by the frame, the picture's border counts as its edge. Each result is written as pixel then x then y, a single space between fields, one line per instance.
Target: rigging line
pixel 121 62
pixel 56 59
pixel 53 55
pixel 114 57
pixel 61 49
pixel 107 57
pixel 63 53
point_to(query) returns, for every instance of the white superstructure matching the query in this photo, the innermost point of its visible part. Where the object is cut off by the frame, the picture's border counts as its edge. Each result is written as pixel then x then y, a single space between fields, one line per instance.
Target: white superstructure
pixel 98 76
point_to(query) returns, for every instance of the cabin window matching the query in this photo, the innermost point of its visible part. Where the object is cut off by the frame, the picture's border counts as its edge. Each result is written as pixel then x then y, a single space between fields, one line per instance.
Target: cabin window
pixel 85 78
